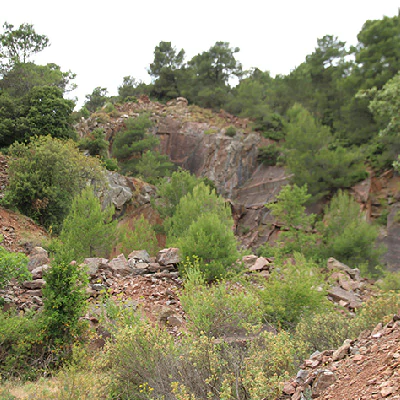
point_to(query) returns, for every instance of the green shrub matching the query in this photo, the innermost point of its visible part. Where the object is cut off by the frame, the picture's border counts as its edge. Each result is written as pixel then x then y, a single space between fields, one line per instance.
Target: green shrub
pixel 110 164
pixel 231 131
pixel 323 331
pixel 201 200
pixel 149 364
pixel 95 143
pixel 291 292
pixel 222 309
pixel 64 299
pixel 268 155
pixel 13 265
pixel 172 189
pixel 210 241
pixel 23 349
pixel 347 236
pixel 140 237
pixel 44 177
pixel 87 230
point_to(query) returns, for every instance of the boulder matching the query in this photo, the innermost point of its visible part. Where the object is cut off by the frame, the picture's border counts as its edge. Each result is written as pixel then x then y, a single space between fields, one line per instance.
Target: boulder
pixel 119 191
pixel 119 265
pixel 342 351
pixel 260 264
pixel 168 256
pixel 323 380
pixel 37 258
pixel 36 284
pixel 37 273
pixel 94 264
pixel 139 256
pixel 337 294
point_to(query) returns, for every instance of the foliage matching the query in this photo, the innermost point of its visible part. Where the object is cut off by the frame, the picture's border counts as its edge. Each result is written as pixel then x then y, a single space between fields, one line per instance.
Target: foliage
pixel 64 299
pixel 45 175
pixel 22 78
pixel 289 209
pixel 314 160
pixel 153 166
pixel 96 99
pixel 140 237
pixel 23 349
pixel 218 310
pixel 172 189
pixel 292 291
pixel 389 281
pixel 269 154
pixel 323 331
pixel 230 131
pixel 42 111
pixel 17 45
pixel 166 70
pixel 147 363
pixel 129 89
pixel 12 265
pixel 200 201
pixel 212 242
pixel 88 231
pixel 95 143
pixel 346 235
pixel 130 143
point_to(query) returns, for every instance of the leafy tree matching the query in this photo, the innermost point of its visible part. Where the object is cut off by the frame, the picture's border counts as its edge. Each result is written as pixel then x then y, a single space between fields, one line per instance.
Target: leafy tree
pixel 96 99
pixel 378 51
pixel 208 75
pixel 165 69
pixel 44 177
pixel 202 200
pixel 130 143
pixel 12 265
pixel 346 235
pixel 172 189
pixel 289 210
pixel 154 166
pixel 22 78
pixel 130 88
pixel 18 45
pixel 88 231
pixel 140 237
pixel 385 106
pixel 314 158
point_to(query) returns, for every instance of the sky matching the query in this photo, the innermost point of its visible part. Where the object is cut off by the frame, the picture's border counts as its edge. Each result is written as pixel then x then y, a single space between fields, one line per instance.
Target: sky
pixel 103 41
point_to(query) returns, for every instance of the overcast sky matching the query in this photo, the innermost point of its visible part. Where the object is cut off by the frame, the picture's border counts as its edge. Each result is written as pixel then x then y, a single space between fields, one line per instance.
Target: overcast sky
pixel 103 41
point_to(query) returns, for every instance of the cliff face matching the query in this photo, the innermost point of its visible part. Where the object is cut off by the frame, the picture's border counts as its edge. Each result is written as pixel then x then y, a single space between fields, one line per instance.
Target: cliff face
pixel 195 139
pixel 228 162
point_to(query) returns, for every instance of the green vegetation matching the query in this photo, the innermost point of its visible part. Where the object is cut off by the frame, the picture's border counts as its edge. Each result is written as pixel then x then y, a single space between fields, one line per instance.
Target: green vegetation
pixel 12 265
pixel 88 231
pixel 140 237
pixel 44 177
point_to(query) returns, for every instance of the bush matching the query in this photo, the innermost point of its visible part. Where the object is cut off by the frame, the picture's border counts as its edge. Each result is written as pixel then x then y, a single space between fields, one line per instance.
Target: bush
pixel 172 189
pixel 201 200
pixel 347 236
pixel 44 177
pixel 222 309
pixel 323 331
pixel 210 241
pixel 268 155
pixel 231 131
pixel 64 299
pixel 148 363
pixel 13 265
pixel 87 230
pixel 23 349
pixel 291 292
pixel 95 143
pixel 140 237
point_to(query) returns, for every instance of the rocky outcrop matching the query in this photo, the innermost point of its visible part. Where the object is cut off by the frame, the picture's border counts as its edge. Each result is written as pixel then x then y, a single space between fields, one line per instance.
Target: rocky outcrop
pixel 366 368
